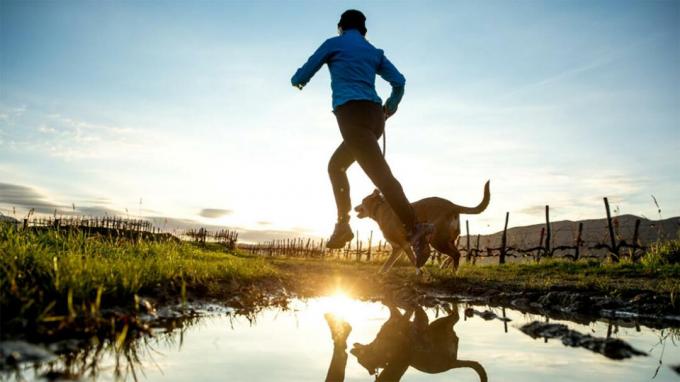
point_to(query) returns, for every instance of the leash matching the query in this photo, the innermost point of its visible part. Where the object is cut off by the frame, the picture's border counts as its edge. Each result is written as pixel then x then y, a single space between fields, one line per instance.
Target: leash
pixel 384 150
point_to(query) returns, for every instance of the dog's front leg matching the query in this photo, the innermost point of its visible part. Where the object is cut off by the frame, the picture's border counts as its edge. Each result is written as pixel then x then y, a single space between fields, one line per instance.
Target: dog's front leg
pixel 447 262
pixel 410 254
pixel 394 256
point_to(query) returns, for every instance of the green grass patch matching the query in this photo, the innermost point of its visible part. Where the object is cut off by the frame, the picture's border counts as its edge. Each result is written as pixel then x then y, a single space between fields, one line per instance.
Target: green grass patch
pixel 583 274
pixel 662 253
pixel 53 274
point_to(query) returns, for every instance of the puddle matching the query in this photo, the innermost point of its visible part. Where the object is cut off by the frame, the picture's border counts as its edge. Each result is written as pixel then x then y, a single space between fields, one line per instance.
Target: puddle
pixel 296 345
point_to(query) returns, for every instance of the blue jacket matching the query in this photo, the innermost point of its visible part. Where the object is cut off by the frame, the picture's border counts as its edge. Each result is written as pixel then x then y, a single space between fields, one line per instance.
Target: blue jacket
pixel 353 63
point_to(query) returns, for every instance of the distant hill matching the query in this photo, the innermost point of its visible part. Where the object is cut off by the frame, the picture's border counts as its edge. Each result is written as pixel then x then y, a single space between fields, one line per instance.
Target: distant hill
pixel 8 219
pixel 594 231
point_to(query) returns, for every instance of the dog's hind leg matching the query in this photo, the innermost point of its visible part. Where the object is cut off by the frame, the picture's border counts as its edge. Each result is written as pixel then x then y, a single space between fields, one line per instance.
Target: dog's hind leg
pixel 454 257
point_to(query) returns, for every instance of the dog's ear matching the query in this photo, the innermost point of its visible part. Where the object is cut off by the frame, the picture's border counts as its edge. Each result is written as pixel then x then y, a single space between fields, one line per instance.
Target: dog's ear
pixel 376 192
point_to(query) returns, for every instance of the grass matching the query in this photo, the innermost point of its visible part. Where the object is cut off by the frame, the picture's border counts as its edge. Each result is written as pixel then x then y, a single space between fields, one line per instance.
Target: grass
pixel 583 275
pixel 67 280
pixel 662 253
pixel 53 276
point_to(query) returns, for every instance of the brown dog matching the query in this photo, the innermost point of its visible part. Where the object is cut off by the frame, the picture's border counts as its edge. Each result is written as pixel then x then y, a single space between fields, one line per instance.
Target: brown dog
pixel 440 212
pixel 431 347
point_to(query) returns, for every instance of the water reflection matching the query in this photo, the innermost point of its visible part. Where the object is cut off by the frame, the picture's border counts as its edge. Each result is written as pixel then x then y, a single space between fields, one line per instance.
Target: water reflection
pixel 120 355
pixel 389 342
pixel 403 342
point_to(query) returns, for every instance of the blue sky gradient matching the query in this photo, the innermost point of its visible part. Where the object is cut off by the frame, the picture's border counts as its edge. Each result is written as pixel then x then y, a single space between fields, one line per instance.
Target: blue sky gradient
pixel 188 106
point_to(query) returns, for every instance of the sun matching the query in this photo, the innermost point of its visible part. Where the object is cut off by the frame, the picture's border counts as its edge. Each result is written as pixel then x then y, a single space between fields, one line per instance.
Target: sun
pixel 342 305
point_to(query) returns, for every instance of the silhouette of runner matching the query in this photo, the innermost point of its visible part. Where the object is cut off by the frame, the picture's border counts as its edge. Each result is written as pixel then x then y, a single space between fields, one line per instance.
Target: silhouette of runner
pixel 353 63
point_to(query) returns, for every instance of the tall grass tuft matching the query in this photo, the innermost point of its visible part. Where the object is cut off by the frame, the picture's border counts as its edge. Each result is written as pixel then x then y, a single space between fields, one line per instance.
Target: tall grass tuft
pixel 662 253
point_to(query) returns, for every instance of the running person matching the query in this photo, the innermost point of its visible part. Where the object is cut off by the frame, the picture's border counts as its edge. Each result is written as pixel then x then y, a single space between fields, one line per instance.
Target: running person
pixel 353 63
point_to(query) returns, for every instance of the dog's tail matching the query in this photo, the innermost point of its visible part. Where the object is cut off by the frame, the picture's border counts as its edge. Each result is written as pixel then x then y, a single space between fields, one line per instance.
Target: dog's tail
pixel 480 207
pixel 474 365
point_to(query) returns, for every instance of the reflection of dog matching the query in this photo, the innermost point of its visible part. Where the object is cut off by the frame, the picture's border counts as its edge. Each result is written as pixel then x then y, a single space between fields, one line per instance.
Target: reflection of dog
pixel 440 212
pixel 401 343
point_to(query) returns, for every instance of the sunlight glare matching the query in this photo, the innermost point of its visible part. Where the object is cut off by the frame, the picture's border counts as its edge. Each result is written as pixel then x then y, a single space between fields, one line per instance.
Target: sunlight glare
pixel 341 305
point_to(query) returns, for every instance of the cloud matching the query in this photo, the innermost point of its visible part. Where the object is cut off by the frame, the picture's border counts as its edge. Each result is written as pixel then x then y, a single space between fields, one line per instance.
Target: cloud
pixel 70 138
pixel 177 225
pixel 25 198
pixel 214 213
pixel 263 222
pixel 9 113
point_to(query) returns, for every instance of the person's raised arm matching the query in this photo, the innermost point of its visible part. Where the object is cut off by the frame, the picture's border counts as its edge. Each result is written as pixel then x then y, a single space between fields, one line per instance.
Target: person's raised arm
pixel 389 73
pixel 313 64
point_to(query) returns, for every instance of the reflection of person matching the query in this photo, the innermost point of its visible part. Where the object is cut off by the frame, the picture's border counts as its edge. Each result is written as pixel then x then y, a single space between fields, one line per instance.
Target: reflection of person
pixel 353 63
pixel 429 347
pixel 340 330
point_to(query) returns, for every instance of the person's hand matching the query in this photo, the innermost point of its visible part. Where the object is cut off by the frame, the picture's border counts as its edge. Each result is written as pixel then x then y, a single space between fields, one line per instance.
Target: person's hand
pixel 299 86
pixel 387 113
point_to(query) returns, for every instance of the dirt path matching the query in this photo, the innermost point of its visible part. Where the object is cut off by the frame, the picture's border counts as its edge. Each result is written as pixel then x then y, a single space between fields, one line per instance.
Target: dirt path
pixel 310 279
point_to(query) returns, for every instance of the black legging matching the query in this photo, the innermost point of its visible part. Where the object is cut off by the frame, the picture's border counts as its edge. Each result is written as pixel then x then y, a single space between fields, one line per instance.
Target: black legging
pixel 361 124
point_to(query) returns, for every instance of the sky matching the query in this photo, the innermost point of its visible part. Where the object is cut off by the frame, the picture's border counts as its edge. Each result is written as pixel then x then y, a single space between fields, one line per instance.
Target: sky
pixel 185 109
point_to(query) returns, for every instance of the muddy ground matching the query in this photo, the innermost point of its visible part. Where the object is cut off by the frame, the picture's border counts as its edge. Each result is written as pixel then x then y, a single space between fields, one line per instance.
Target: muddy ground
pixel 643 307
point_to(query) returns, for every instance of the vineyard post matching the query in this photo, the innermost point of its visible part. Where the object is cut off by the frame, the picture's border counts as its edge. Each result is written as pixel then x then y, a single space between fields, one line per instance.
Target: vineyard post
pixel 540 245
pixel 467 236
pixel 577 250
pixel 474 259
pixel 25 224
pixel 548 251
pixel 361 246
pixel 636 233
pixel 614 252
pixel 370 239
pixel 358 254
pixel 504 240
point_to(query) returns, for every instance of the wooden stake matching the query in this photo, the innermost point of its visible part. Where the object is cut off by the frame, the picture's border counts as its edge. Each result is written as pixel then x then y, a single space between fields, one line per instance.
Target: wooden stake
pixel 370 239
pixel 548 232
pixel 474 259
pixel 504 239
pixel 614 251
pixel 468 255
pixel 577 251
